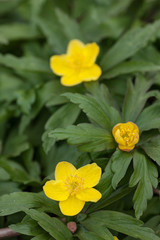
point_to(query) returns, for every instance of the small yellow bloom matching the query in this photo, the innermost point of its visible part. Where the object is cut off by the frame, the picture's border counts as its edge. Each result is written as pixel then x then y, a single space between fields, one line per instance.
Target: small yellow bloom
pixel 78 64
pixel 73 187
pixel 126 135
pixel 115 238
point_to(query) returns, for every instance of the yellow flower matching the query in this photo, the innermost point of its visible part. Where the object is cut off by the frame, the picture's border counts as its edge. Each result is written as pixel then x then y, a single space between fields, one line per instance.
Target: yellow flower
pixel 78 64
pixel 73 187
pixel 115 238
pixel 126 135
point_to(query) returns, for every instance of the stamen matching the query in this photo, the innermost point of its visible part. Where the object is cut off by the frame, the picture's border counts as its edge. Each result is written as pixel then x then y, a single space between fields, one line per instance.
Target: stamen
pixel 74 184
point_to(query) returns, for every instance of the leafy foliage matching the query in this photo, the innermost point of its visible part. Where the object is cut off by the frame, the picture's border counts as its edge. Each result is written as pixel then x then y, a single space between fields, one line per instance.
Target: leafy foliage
pixel 43 123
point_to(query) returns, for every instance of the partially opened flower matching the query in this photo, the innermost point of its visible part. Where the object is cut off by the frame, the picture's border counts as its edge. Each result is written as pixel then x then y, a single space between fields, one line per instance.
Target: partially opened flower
pixel 73 187
pixel 78 64
pixel 126 135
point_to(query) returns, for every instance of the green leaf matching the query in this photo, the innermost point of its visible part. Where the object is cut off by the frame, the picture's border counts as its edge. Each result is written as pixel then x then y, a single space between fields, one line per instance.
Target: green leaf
pixel 92 109
pixel 9 187
pixel 132 66
pixel 25 63
pixel 152 148
pixel 15 144
pixel 83 234
pixel 6 6
pixel 52 225
pixel 27 227
pixel 9 84
pixel 135 98
pixel 100 230
pixel 16 172
pixel 102 95
pixel 122 223
pixel 145 175
pixel 64 116
pixel 149 118
pixel 55 36
pixel 70 27
pixel 25 99
pixel 102 114
pixel 120 163
pixel 4 175
pixel 43 236
pixel 88 137
pixel 18 31
pixel 18 201
pixel 131 42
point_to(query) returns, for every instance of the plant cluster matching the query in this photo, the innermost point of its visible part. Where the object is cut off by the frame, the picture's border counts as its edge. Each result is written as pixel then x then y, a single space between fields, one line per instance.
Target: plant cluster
pixel 80 119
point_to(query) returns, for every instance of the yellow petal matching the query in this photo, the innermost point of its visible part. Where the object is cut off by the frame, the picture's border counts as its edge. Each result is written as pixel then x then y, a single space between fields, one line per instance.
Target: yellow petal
pixel 91 174
pixel 126 148
pixel 70 80
pixel 118 137
pixel 90 73
pixel 75 47
pixel 90 52
pixel 55 190
pixel 115 128
pixel 59 65
pixel 63 170
pixel 89 194
pixel 71 206
pixel 115 238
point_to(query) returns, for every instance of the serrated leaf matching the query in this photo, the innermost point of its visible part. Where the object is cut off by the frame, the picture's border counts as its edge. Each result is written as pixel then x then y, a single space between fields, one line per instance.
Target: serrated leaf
pixel 25 63
pixel 149 117
pixel 152 148
pixel 18 201
pixel 122 223
pixel 131 42
pixel 102 95
pixel 145 175
pixel 135 98
pixel 120 162
pixel 102 114
pixel 92 109
pixel 51 225
pixel 88 137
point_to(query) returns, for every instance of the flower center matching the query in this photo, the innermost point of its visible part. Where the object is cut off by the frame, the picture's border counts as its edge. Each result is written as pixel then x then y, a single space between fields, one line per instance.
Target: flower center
pixel 74 184
pixel 127 134
pixel 76 61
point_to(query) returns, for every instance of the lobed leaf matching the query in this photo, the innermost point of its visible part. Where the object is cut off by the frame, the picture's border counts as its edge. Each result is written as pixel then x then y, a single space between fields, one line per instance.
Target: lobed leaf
pixel 120 163
pixel 122 223
pixel 88 137
pixel 145 175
